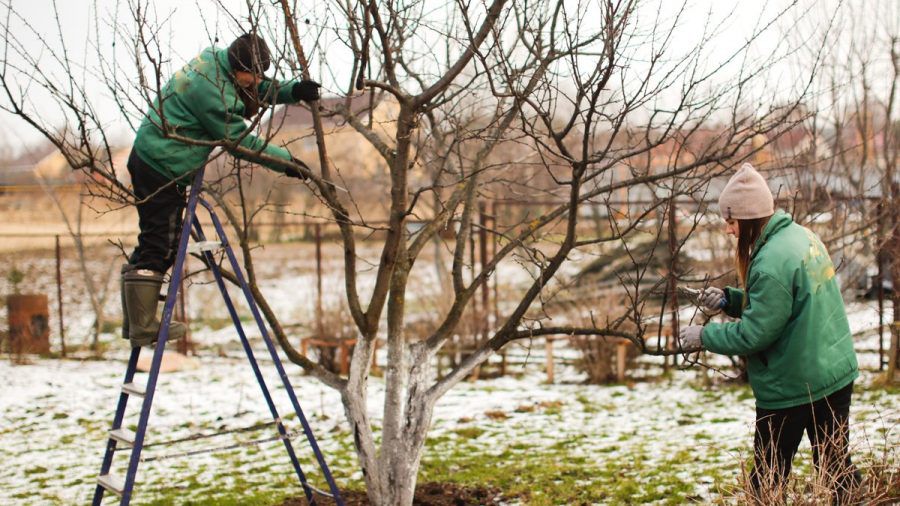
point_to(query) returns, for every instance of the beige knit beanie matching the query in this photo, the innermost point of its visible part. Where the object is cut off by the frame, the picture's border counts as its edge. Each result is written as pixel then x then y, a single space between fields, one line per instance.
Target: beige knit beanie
pixel 746 196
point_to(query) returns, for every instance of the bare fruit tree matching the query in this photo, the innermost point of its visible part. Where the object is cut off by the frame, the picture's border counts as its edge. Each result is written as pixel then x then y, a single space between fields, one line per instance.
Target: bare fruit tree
pixel 544 101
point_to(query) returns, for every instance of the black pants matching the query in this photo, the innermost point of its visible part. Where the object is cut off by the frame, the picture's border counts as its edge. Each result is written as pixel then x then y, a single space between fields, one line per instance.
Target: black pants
pixel 778 434
pixel 160 213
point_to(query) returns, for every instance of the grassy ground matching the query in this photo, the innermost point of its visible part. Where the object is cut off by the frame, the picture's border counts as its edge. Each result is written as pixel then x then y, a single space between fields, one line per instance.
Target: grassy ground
pixel 668 440
pixel 537 474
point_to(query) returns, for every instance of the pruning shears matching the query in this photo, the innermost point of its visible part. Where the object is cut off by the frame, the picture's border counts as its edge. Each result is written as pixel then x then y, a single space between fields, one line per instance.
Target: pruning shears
pixel 695 294
pixel 692 292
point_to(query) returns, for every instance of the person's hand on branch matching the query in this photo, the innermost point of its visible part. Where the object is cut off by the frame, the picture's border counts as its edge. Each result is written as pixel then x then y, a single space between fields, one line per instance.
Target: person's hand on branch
pixel 712 297
pixel 295 173
pixel 307 91
pixel 689 337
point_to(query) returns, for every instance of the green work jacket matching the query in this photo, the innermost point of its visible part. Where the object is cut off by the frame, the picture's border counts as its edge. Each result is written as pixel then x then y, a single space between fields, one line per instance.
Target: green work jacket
pixel 793 328
pixel 201 102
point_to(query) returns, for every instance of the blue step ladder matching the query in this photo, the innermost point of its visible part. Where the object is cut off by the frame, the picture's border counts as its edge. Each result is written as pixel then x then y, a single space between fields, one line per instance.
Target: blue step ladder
pixel 121 438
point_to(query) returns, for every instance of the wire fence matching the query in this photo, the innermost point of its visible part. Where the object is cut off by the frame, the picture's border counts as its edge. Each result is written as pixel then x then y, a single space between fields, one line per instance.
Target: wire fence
pixel 64 288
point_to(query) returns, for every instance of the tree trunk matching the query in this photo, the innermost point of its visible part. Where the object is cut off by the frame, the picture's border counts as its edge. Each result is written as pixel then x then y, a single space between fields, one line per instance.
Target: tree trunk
pixel 894 354
pixel 891 151
pixel 893 374
pixel 390 472
pixel 354 397
pixel 402 455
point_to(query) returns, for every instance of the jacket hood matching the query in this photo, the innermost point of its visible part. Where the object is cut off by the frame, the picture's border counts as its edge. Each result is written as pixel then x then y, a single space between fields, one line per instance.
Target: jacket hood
pixel 222 58
pixel 776 223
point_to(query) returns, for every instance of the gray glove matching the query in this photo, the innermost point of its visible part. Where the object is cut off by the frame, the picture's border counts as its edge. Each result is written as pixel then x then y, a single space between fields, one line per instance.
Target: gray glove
pixel 690 338
pixel 712 297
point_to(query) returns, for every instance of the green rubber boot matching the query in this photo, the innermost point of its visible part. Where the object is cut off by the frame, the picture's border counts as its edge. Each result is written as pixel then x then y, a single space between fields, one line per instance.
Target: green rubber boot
pixel 141 288
pixel 125 269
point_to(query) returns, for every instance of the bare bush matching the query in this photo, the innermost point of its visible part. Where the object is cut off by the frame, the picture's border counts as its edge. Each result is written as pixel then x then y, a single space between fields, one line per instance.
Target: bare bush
pixel 331 337
pixel 599 358
pixel 829 482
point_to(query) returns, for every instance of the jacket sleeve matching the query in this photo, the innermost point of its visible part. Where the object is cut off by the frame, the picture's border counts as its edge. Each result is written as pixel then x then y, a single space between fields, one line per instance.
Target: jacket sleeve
pixel 277 92
pixel 734 301
pixel 761 324
pixel 227 123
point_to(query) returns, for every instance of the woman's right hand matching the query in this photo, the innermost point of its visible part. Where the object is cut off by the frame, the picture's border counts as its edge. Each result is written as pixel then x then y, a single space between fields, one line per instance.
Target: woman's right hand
pixel 712 297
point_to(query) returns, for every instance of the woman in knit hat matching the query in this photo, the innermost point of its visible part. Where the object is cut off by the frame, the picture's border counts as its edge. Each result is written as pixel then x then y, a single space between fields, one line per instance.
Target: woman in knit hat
pixel 793 331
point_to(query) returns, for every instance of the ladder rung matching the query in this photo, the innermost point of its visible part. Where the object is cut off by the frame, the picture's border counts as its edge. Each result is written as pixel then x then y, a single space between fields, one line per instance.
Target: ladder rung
pixel 204 246
pixel 133 389
pixel 123 436
pixel 112 483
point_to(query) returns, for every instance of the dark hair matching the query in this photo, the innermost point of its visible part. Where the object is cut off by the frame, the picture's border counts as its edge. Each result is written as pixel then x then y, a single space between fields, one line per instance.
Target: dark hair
pixel 748 233
pixel 249 53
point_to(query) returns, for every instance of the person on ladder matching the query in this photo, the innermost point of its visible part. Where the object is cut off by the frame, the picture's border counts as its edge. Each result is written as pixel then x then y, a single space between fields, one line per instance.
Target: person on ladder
pixel 207 100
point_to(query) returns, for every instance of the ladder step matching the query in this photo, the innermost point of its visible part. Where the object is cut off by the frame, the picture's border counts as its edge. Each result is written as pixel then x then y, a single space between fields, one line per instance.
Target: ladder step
pixel 199 246
pixel 112 483
pixel 133 389
pixel 123 436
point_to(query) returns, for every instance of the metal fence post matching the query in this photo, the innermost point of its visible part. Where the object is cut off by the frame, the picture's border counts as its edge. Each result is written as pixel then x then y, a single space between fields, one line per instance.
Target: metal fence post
pixel 320 330
pixel 59 299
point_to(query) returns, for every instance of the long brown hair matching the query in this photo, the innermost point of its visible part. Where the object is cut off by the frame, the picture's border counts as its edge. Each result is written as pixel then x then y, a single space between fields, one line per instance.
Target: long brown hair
pixel 748 233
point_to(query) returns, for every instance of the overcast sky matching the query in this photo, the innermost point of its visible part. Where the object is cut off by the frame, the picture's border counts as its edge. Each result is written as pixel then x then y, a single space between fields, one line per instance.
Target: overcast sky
pixel 189 26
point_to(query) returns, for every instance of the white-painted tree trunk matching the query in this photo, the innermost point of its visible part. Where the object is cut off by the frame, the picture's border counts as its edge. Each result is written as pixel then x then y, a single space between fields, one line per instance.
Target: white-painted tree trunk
pixel 390 472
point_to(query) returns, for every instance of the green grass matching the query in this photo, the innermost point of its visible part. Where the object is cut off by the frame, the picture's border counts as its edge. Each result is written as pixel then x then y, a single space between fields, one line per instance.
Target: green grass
pixel 469 432
pixel 111 327
pixel 537 474
pixel 586 404
pixel 525 456
pixel 35 470
pixel 214 323
pixel 555 476
pixel 877 388
pixel 565 471
pixel 231 498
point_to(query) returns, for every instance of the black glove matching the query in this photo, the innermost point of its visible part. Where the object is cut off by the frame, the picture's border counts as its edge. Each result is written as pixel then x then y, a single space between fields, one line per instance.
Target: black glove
pixel 292 172
pixel 306 90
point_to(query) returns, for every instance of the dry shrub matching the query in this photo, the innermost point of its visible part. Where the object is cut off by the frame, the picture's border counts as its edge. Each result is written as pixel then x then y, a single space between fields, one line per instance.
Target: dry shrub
pixel 879 463
pixel 336 321
pixel 598 354
pixel 337 324
pixel 599 358
pixel 434 305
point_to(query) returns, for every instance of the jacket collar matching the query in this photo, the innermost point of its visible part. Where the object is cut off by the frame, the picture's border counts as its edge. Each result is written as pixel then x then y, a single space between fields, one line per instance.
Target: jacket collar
pixel 777 223
pixel 222 58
